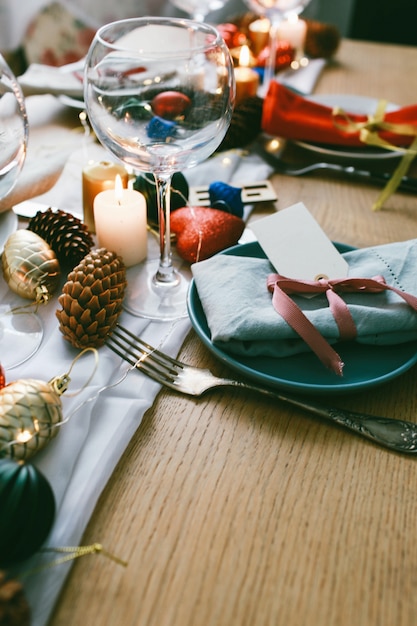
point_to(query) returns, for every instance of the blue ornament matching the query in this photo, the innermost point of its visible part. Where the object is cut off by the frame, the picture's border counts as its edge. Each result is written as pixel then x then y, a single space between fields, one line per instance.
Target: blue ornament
pixel 161 129
pixel 261 73
pixel 226 198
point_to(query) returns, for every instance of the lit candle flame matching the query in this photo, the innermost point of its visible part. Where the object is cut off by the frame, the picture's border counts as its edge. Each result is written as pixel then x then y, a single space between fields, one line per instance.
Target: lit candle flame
pixel 118 189
pixel 244 56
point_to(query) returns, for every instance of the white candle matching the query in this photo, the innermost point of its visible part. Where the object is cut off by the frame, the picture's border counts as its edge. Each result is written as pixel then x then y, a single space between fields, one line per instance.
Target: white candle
pixel 120 219
pixel 293 31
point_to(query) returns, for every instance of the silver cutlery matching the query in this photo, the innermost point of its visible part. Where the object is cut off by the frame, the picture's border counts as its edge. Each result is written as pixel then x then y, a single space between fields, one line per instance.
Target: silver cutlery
pixel 397 435
pixel 273 150
pixel 407 184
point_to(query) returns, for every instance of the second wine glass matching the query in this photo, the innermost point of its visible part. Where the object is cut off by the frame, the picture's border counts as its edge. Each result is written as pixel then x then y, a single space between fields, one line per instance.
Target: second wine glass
pixel 159 94
pixel 276 11
pixel 199 9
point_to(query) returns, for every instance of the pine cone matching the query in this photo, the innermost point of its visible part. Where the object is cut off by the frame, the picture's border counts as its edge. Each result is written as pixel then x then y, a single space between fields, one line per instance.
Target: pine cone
pixel 92 299
pixel 68 236
pixel 322 40
pixel 245 125
pixel 14 609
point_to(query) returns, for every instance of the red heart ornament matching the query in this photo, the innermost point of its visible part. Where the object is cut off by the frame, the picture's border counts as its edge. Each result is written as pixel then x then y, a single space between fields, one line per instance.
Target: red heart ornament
pixel 203 231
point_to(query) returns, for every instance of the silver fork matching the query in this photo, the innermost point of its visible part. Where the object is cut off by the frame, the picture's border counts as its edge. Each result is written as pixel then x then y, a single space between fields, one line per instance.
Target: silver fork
pixel 407 184
pixel 397 435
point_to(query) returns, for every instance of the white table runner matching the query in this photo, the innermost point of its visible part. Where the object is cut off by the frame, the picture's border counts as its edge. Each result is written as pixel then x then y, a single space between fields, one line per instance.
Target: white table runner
pixel 81 459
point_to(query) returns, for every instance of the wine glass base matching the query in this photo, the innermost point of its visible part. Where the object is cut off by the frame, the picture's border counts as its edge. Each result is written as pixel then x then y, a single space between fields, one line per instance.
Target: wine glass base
pixel 21 335
pixel 144 298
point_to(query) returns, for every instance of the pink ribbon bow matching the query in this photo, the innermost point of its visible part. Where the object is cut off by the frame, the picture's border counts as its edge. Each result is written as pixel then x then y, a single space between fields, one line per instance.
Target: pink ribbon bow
pixel 280 286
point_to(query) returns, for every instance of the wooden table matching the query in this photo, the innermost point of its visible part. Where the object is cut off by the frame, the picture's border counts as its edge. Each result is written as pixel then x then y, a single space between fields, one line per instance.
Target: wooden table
pixel 234 510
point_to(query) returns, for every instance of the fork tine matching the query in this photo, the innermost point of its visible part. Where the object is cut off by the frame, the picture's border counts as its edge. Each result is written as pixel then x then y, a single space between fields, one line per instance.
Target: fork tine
pixel 136 341
pixel 143 356
pixel 140 361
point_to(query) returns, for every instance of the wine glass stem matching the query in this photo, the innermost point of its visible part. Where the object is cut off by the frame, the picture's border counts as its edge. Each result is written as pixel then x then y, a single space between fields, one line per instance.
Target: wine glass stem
pixel 198 16
pixel 271 61
pixel 166 274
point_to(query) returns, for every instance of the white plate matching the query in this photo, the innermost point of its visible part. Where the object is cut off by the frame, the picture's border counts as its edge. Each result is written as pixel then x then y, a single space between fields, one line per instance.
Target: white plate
pixel 8 224
pixel 360 105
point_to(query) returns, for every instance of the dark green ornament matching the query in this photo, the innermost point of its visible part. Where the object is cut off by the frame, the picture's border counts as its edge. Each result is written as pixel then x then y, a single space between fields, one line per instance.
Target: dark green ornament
pixel 27 511
pixel 145 183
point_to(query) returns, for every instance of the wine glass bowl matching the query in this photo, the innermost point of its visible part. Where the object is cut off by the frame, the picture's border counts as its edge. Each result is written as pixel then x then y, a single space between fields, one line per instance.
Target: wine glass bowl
pixel 21 330
pixel 276 11
pixel 159 94
pixel 281 7
pixel 198 9
pixel 14 129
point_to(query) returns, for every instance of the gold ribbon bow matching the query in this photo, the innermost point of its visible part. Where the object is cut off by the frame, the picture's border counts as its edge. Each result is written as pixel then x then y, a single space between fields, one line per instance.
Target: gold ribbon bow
pixel 369 134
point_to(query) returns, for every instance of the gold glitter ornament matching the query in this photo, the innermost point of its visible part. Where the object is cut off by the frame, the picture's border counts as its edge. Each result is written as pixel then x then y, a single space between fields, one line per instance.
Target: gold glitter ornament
pixel 30 266
pixel 30 411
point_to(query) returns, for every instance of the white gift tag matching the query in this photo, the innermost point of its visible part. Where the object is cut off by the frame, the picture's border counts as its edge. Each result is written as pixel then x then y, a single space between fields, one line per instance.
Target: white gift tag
pixel 297 246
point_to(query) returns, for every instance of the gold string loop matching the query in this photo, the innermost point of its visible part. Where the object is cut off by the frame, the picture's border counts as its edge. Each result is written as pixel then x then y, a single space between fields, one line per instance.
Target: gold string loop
pixel 71 553
pixel 60 383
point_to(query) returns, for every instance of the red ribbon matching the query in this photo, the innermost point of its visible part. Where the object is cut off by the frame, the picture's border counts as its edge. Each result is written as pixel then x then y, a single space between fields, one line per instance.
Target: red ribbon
pixel 280 286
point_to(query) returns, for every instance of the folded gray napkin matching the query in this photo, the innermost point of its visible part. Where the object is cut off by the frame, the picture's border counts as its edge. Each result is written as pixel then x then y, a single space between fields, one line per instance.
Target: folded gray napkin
pixel 242 320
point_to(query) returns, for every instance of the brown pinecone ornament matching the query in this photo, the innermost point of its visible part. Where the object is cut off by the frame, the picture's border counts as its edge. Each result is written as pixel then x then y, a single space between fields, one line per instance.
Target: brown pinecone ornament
pixel 14 608
pixel 245 125
pixel 92 298
pixel 322 40
pixel 68 236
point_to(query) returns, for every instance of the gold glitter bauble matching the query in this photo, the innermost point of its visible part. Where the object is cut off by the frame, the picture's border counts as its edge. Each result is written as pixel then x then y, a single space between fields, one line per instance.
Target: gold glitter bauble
pixel 30 266
pixel 30 409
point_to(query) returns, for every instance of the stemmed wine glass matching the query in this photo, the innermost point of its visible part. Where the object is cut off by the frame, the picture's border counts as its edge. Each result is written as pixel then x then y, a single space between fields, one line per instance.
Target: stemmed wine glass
pixel 276 11
pixel 159 94
pixel 21 330
pixel 198 9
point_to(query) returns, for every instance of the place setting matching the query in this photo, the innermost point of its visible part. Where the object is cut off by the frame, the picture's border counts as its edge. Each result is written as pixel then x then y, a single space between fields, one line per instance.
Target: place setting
pixel 248 339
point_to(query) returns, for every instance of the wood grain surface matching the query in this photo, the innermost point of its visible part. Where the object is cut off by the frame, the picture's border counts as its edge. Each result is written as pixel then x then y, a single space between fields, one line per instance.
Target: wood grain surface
pixel 234 510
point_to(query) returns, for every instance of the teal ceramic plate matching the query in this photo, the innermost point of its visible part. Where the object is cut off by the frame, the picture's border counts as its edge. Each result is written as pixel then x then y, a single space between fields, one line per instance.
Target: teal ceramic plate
pixel 365 366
